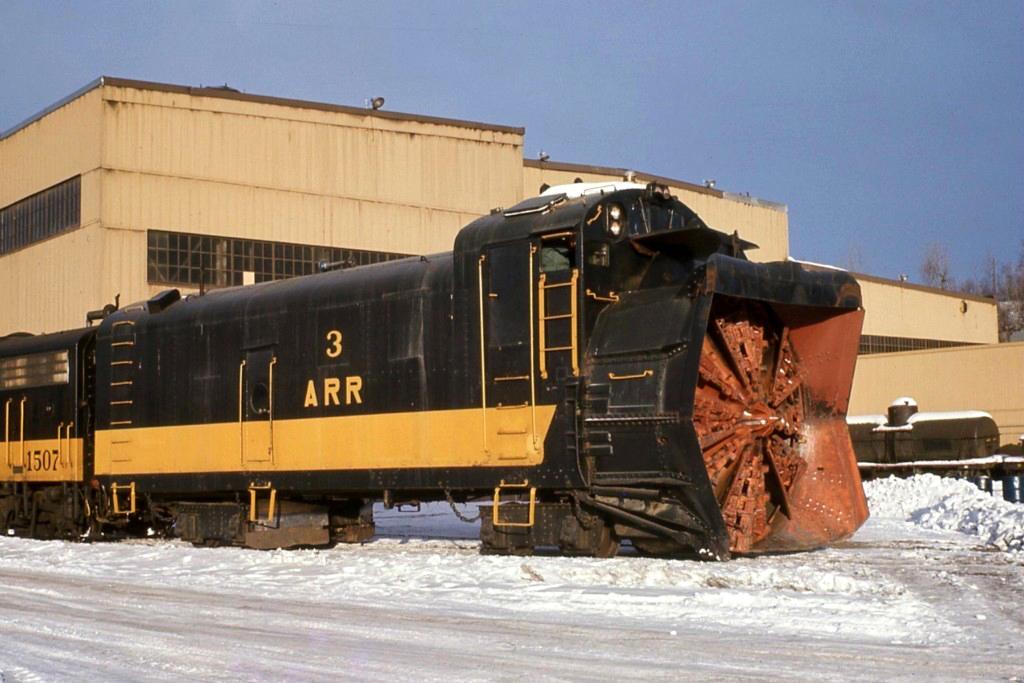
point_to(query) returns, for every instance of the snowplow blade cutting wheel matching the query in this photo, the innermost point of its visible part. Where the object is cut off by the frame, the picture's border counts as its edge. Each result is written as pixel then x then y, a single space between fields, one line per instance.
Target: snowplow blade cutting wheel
pixel 761 459
pixel 774 381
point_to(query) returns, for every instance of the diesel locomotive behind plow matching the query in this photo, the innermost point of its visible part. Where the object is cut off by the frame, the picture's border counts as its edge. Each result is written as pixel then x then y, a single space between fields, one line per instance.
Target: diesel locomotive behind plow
pixel 596 361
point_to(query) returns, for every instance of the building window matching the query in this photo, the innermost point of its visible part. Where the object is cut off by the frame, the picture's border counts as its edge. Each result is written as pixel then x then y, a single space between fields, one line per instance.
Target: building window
pixel 873 343
pixel 54 210
pixel 178 258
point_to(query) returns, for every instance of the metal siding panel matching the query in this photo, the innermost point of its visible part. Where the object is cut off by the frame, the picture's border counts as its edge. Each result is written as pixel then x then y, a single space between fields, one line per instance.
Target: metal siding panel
pixel 141 202
pixel 898 311
pixel 62 144
pixel 50 285
pixel 432 166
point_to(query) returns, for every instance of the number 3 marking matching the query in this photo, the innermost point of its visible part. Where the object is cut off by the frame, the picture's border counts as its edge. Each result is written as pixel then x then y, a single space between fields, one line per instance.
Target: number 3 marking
pixel 334 350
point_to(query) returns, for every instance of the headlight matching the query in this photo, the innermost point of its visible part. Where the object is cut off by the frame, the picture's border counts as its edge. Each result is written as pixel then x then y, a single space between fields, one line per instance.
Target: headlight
pixel 615 214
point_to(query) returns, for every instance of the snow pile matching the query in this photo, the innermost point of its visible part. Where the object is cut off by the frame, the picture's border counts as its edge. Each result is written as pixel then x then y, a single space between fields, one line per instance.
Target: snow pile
pixel 948 504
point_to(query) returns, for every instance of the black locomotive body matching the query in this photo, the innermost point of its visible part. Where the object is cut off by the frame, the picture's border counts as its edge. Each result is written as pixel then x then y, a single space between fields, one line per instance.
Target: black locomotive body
pixel 607 361
pixel 46 386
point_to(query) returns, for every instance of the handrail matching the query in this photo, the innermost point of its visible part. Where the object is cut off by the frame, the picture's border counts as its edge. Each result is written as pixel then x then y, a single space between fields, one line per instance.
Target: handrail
pixel 532 378
pixel 7 428
pixel 483 350
pixel 645 373
pixel 60 442
pixel 542 328
pixel 71 461
pixel 574 332
pixel 270 403
pixel 241 428
pixel 22 428
pixel 515 406
pixel 611 298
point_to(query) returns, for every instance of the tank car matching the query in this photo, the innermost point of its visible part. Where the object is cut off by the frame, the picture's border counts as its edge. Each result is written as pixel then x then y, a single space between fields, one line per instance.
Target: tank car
pixel 596 362
pixel 962 444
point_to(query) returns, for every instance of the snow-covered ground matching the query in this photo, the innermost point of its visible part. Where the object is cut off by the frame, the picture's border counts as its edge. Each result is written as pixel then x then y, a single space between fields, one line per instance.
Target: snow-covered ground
pixel 932 588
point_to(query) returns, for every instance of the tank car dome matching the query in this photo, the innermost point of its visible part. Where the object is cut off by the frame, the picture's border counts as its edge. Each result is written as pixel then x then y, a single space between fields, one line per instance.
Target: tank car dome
pixel 903 401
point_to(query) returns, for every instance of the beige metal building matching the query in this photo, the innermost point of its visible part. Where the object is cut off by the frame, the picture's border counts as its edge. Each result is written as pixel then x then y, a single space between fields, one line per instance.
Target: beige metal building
pixel 901 316
pixel 129 187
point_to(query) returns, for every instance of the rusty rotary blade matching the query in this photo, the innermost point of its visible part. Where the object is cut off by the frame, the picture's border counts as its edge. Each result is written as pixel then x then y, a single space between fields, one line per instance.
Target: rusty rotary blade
pixel 747 412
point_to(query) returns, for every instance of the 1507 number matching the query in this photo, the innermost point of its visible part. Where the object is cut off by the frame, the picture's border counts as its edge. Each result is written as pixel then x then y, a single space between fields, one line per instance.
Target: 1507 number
pixel 42 461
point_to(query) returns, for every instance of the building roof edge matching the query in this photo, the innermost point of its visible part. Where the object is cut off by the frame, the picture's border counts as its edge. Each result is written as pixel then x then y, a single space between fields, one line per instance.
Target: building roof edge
pixel 693 187
pixel 95 83
pixel 924 288
pixel 231 94
pixel 225 93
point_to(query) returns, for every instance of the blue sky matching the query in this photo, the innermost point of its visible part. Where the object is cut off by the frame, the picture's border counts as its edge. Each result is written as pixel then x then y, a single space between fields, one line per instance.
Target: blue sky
pixel 884 126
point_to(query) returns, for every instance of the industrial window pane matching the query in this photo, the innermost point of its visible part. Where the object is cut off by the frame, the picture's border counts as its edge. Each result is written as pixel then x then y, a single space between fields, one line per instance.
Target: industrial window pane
pixel 870 343
pixel 209 261
pixel 44 214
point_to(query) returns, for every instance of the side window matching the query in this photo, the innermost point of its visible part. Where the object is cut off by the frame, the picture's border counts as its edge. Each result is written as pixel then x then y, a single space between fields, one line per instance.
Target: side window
pixel 558 255
pixel 508 280
pixel 599 255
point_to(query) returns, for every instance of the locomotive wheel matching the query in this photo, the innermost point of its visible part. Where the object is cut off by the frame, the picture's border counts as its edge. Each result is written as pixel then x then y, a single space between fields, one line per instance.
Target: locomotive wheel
pixel 607 544
pixel 748 413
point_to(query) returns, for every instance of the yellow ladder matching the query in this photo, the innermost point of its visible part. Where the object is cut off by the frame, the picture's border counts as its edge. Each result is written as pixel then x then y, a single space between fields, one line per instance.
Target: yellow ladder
pixel 544 320
pixel 254 491
pixel 122 372
pixel 496 517
pixel 115 494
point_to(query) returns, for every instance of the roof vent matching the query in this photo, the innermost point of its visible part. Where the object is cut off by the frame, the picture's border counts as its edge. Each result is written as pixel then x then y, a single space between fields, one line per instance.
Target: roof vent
pixel 163 301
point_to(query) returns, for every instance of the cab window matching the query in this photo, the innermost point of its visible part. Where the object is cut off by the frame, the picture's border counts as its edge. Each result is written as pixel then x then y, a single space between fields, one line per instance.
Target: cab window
pixel 558 255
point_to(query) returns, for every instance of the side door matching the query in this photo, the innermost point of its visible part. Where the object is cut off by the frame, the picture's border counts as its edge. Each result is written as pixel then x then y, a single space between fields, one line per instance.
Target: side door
pixel 256 407
pixel 509 366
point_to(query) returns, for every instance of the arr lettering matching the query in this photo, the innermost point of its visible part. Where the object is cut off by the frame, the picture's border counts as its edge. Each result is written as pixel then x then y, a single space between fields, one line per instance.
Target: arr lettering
pixel 329 392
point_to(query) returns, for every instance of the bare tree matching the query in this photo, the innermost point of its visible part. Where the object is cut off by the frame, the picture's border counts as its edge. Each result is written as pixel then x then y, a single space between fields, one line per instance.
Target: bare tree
pixel 854 258
pixel 1010 295
pixel 1004 282
pixel 989 282
pixel 935 267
